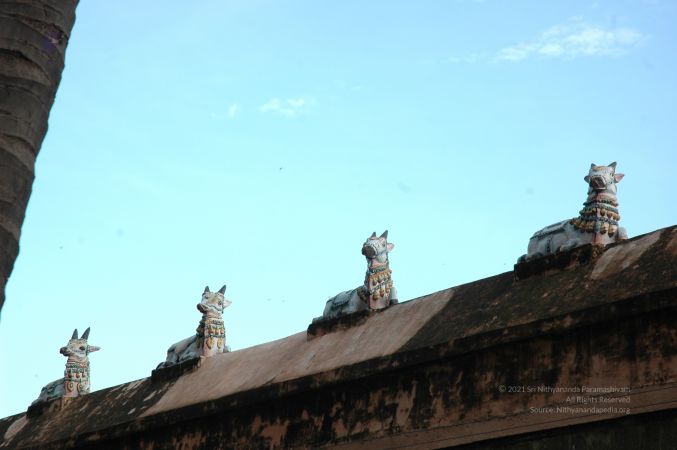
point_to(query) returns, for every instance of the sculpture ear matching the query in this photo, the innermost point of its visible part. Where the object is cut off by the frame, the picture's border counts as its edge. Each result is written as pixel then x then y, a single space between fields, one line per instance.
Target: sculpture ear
pixel 75 334
pixel 206 289
pixel 85 335
pixel 613 165
pixel 618 177
pixel 390 246
pixel 93 348
pixel 222 290
pixel 587 179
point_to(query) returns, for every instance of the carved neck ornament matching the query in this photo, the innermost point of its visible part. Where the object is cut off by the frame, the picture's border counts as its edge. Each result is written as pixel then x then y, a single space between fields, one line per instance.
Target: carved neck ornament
pixel 76 376
pixel 377 284
pixel 599 215
pixel 211 331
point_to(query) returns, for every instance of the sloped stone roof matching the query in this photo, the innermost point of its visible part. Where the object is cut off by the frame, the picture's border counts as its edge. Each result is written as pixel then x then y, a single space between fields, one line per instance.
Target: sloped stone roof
pixel 556 294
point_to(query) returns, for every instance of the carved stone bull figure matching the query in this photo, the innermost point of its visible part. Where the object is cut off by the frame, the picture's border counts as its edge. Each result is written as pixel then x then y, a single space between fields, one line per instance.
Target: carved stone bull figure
pixel 75 381
pixel 210 336
pixel 377 292
pixel 597 222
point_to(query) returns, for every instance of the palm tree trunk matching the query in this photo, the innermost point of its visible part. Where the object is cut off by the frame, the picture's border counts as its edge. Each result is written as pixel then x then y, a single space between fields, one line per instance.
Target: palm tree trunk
pixel 33 38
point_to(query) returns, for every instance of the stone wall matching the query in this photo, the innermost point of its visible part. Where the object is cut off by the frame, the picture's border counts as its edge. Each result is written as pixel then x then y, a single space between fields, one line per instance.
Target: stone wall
pixel 482 365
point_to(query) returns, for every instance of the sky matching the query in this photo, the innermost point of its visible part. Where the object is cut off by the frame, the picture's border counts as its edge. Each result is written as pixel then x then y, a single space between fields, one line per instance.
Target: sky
pixel 257 144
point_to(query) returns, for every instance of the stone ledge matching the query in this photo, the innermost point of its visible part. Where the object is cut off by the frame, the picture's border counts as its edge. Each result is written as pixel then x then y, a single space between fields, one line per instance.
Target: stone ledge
pixel 556 262
pixel 48 406
pixel 320 326
pixel 175 371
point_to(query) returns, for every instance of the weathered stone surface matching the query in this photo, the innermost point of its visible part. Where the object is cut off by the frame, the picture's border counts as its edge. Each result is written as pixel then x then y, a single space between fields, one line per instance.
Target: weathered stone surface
pixel 655 431
pixel 422 374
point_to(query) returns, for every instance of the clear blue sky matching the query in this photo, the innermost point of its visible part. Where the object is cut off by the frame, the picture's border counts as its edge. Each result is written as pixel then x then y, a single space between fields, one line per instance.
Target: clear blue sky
pixel 258 143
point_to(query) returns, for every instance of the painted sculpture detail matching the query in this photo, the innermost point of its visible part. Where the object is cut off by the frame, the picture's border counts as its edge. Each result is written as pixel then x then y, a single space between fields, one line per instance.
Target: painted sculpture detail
pixel 76 376
pixel 377 292
pixel 210 336
pixel 597 222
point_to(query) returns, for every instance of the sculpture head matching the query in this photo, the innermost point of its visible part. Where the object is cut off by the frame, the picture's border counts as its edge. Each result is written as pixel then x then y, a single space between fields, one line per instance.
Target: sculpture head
pixel 603 178
pixel 376 249
pixel 213 302
pixel 78 347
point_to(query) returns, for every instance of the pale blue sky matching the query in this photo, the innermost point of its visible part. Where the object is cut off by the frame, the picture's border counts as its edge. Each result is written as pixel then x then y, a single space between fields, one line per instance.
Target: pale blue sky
pixel 259 143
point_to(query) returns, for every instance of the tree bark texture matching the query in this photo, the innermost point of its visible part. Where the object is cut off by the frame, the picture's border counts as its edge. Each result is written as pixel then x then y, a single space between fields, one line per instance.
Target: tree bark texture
pixel 33 38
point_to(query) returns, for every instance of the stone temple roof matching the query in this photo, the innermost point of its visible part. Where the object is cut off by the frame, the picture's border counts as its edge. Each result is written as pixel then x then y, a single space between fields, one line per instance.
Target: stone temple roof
pixel 553 295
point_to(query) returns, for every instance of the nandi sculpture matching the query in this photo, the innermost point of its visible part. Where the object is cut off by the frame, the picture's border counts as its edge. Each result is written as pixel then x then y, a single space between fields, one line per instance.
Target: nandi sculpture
pixel 596 224
pixel 377 292
pixel 75 381
pixel 210 336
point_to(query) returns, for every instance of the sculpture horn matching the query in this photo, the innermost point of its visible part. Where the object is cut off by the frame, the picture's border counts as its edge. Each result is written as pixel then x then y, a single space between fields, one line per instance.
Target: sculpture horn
pixel 75 334
pixel 613 165
pixel 385 234
pixel 373 235
pixel 223 289
pixel 85 335
pixel 206 289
